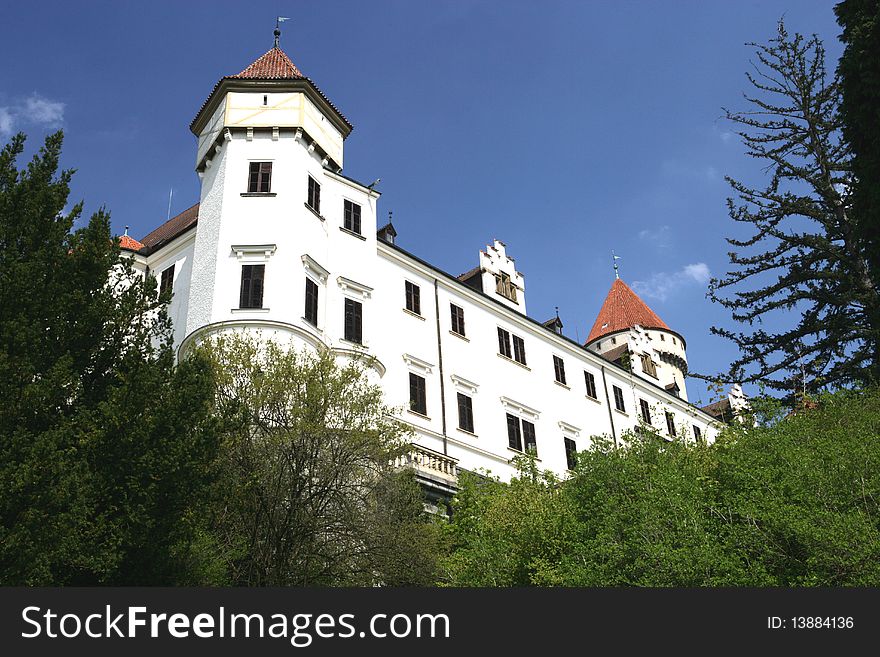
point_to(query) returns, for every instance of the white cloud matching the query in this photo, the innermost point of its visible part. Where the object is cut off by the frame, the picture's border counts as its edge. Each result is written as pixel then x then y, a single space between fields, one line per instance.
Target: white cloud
pixel 33 111
pixel 5 122
pixel 660 237
pixel 726 136
pixel 43 111
pixel 662 285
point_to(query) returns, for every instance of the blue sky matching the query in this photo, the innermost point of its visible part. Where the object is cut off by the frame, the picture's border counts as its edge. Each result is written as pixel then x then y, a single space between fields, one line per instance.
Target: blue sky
pixel 565 129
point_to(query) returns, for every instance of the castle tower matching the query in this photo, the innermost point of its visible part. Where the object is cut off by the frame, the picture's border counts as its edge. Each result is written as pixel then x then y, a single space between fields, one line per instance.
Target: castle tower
pixel 274 207
pixel 627 331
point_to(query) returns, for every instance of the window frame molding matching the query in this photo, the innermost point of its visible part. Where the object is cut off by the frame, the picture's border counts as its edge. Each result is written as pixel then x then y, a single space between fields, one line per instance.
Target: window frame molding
pixel 354 289
pixel 464 385
pixel 253 254
pixel 417 365
pixel 569 430
pixel 518 408
pixel 314 269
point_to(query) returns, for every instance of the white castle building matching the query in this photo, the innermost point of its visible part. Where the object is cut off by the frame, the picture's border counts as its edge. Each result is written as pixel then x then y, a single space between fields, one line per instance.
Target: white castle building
pixel 282 242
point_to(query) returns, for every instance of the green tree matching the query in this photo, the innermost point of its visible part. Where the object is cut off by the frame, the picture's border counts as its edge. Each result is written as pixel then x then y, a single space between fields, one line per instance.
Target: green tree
pixel 105 445
pixel 859 70
pixel 509 534
pixel 308 493
pixel 793 503
pixel 805 253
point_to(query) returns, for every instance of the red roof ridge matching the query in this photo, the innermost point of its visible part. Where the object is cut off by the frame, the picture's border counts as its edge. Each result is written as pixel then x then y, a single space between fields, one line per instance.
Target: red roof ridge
pixel 622 310
pixel 129 243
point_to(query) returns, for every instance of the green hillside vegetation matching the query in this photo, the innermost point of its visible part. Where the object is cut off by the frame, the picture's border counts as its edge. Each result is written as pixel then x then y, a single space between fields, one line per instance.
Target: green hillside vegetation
pixel 794 503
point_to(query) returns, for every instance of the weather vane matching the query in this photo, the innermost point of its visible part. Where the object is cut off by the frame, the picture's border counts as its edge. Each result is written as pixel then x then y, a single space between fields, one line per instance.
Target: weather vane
pixel 614 259
pixel 278 21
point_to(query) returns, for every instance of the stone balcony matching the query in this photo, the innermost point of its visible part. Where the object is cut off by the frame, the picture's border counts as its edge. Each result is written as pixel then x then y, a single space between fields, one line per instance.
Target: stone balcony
pixel 436 472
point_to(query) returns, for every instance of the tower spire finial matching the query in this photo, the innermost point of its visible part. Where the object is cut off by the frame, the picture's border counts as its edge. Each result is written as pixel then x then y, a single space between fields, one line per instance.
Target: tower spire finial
pixel 278 21
pixel 614 259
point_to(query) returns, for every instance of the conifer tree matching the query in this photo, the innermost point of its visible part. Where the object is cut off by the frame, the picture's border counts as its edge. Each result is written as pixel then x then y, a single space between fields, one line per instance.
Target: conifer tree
pixel 804 266
pixel 859 70
pixel 105 445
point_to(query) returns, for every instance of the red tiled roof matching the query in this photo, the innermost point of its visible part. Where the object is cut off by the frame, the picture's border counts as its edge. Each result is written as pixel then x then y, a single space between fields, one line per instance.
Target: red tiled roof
pixel 129 243
pixel 622 310
pixel 173 227
pixel 274 65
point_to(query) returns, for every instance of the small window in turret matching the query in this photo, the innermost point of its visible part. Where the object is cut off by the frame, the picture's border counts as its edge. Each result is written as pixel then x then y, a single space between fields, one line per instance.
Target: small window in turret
pixel 314 197
pixel 260 178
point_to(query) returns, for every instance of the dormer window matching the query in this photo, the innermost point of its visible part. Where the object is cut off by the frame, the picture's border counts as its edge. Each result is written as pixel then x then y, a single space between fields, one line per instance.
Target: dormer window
pixel 648 366
pixel 505 287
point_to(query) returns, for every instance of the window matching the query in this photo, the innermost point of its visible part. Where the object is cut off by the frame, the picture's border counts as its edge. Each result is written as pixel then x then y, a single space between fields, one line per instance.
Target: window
pixel 559 369
pixel 465 413
pixel 670 423
pixel 167 282
pixel 590 380
pixel 505 287
pixel 251 294
pixel 457 319
pixel 618 399
pixel 519 350
pixel 645 411
pixel 314 201
pixel 311 315
pixel 529 441
pixel 514 435
pixel 570 453
pixel 648 365
pixel 351 216
pixel 521 433
pixel 698 435
pixel 260 178
pixel 503 342
pixel 413 300
pixel 417 401
pixel 353 321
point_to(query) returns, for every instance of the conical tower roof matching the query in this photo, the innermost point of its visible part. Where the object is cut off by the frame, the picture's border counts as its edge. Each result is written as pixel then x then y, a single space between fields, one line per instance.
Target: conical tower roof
pixel 274 65
pixel 622 310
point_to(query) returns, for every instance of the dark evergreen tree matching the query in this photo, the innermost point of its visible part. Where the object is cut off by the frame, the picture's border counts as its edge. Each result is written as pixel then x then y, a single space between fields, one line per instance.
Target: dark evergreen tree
pixel 859 70
pixel 805 257
pixel 105 445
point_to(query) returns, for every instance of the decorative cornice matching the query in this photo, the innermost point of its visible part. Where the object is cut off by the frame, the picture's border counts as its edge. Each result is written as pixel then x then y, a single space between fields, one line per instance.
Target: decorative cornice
pixel 359 289
pixel 417 364
pixel 569 429
pixel 464 384
pixel 520 408
pixel 311 265
pixel 253 252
